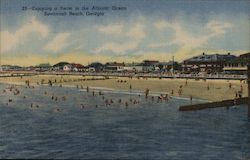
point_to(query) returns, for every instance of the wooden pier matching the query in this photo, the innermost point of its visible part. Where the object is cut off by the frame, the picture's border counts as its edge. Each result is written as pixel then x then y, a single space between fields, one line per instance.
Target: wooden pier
pixel 224 103
pixel 248 82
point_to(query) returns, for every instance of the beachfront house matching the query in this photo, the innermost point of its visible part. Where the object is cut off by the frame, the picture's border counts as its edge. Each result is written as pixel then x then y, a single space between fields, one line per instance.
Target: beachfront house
pixel 169 66
pixel 43 67
pixel 77 67
pixel 114 67
pixel 237 65
pixel 91 69
pixel 11 68
pixel 133 67
pixel 59 66
pixel 211 64
pixel 67 68
pixel 95 67
pixel 5 67
pixel 150 65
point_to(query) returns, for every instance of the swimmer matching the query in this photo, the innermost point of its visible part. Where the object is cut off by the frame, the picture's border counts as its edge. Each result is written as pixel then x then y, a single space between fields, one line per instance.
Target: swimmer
pixel 106 102
pixel 126 104
pixel 63 98
pixel 166 97
pixel 120 100
pixel 172 92
pixel 57 110
pixel 135 101
pixel 111 101
pixel 146 92
pixel 82 106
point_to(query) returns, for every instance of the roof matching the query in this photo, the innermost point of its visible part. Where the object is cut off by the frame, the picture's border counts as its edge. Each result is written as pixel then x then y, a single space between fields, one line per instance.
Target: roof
pixel 238 60
pixel 115 64
pixel 168 63
pixel 95 64
pixel 133 64
pixel 44 65
pixel 150 62
pixel 211 58
pixel 77 65
pixel 60 64
pixel 246 55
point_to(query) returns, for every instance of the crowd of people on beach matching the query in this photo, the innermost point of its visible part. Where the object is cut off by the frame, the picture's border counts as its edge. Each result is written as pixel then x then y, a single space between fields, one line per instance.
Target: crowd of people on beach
pixel 133 100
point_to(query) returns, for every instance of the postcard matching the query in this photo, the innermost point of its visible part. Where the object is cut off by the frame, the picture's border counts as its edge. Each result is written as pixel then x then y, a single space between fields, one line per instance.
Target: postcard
pixel 125 79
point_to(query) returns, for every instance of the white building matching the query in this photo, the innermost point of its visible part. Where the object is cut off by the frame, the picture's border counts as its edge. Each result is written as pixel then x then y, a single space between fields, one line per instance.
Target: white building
pixel 67 68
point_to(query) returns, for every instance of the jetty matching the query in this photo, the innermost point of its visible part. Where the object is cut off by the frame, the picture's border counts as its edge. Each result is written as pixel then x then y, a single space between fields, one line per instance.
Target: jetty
pixel 223 103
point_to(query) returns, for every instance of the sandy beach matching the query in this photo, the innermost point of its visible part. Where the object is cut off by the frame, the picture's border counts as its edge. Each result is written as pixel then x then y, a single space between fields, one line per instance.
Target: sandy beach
pixel 211 90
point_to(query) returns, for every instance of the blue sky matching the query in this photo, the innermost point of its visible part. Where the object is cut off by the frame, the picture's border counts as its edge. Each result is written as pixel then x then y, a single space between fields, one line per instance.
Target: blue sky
pixel 147 29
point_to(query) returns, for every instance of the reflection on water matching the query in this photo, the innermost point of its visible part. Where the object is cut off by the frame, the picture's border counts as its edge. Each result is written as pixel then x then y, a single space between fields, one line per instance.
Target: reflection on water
pixel 80 125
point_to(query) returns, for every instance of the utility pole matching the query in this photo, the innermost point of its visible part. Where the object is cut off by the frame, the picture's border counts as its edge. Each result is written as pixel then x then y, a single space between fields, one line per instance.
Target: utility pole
pixel 248 83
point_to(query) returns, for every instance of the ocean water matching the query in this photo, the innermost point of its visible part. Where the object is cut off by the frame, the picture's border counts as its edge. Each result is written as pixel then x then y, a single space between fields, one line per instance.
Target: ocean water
pixel 147 130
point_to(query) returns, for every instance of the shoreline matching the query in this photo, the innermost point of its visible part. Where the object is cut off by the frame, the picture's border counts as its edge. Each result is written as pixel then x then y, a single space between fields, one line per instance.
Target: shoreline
pixel 110 90
pixel 218 89
pixel 125 75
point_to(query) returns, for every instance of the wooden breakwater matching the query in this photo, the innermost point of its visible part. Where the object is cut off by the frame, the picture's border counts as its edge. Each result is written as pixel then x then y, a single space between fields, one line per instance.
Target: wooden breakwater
pixel 248 83
pixel 224 103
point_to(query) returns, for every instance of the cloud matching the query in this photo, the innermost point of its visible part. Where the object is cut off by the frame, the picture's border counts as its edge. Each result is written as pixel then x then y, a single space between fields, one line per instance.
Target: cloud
pixel 218 28
pixel 117 47
pixel 160 25
pixel 189 40
pixel 115 29
pixel 137 32
pixel 157 45
pixel 132 38
pixel 58 43
pixel 10 40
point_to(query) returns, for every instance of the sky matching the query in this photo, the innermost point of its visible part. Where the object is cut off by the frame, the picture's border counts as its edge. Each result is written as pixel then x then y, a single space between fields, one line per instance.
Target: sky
pixel 142 29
